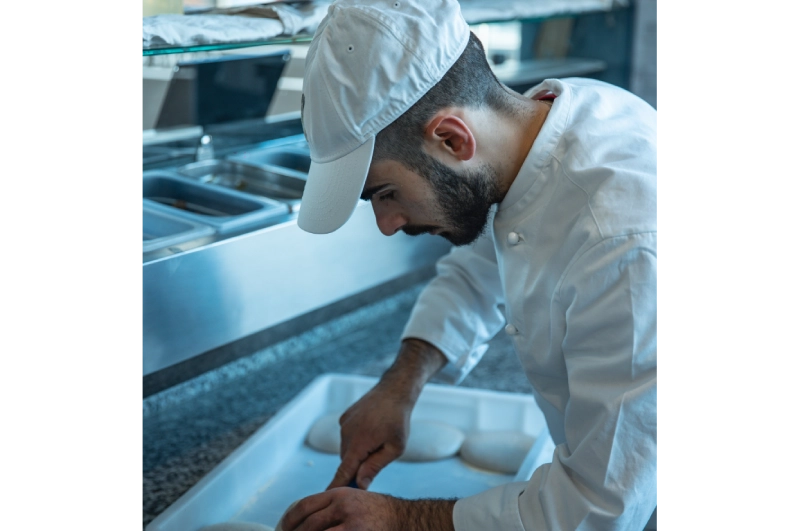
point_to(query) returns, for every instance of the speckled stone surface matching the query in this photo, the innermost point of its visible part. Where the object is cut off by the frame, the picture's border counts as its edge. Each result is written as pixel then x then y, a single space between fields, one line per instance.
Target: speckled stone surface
pixel 192 427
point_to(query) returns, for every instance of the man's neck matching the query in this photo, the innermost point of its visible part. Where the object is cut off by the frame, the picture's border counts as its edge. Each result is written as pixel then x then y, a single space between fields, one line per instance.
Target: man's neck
pixel 510 139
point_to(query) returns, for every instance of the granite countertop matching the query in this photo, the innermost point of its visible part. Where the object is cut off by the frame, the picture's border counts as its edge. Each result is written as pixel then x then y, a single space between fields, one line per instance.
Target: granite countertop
pixel 192 427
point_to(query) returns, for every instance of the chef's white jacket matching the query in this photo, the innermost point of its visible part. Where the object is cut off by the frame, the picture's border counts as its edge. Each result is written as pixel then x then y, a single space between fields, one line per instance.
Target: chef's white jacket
pixel 569 269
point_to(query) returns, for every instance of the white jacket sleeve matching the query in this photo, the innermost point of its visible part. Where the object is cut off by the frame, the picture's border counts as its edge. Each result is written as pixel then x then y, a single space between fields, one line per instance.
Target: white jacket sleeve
pixel 458 312
pixel 603 476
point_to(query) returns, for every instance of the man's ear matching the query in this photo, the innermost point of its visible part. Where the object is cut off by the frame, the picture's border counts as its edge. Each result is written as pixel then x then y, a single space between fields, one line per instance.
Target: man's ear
pixel 450 134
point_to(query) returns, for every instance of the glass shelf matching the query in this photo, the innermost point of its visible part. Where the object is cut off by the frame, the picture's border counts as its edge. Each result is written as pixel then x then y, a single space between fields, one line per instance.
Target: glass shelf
pixel 304 38
pixel 169 49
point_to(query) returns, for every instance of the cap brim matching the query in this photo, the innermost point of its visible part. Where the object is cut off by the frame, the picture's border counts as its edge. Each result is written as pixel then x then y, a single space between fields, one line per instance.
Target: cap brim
pixel 333 189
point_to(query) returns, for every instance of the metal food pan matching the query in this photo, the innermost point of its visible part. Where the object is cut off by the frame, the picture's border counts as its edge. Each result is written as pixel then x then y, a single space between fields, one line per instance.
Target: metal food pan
pixel 293 143
pixel 160 229
pixel 278 158
pixel 265 182
pixel 225 210
pixel 296 143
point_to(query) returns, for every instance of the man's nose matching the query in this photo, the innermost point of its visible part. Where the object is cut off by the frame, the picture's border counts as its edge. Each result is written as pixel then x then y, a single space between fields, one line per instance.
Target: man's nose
pixel 389 219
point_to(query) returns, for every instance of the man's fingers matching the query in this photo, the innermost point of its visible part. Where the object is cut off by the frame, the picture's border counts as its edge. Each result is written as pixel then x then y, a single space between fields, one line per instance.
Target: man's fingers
pixel 302 509
pixel 319 521
pixel 374 464
pixel 352 457
pixel 345 473
pixel 343 512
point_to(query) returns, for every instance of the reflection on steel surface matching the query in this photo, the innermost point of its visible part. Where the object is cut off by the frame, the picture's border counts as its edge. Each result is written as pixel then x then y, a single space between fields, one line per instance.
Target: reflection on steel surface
pixel 272 183
pixel 209 296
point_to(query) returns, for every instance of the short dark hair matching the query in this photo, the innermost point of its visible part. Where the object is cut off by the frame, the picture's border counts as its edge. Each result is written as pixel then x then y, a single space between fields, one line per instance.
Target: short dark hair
pixel 470 82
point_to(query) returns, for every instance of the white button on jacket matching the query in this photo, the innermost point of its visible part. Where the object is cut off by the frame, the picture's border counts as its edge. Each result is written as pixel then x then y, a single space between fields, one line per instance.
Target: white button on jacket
pixel 513 238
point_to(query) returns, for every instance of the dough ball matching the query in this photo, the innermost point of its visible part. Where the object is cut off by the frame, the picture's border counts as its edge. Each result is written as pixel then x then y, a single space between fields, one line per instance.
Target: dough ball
pixel 279 527
pixel 498 451
pixel 431 441
pixel 325 434
pixel 428 440
pixel 237 526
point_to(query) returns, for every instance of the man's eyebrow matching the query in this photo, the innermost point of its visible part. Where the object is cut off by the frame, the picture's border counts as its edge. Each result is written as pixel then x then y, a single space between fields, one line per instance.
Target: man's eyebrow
pixel 367 194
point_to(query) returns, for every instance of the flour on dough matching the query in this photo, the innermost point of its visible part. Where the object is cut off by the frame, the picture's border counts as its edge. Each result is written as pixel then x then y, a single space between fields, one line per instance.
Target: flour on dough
pixel 237 526
pixel 325 434
pixel 430 441
pixel 498 451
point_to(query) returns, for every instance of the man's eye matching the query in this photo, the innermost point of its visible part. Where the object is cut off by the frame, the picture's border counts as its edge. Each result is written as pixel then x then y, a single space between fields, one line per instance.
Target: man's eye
pixel 388 195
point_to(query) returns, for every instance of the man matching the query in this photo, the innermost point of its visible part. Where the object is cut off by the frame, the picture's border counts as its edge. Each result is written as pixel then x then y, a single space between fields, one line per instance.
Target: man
pixel 550 201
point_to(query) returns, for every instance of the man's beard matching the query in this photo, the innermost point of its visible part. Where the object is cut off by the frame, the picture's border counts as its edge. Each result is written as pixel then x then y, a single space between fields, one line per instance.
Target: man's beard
pixel 464 201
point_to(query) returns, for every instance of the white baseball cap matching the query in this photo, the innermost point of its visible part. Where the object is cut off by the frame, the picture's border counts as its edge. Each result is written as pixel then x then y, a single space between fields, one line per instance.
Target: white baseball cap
pixel 369 62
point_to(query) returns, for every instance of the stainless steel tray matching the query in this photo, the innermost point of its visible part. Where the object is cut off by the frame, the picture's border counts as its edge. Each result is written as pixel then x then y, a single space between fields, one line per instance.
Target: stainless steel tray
pixel 265 182
pixel 293 158
pixel 160 229
pixel 225 210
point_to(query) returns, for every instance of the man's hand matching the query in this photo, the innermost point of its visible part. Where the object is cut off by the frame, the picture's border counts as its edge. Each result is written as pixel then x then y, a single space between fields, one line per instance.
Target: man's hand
pixel 374 433
pixel 375 429
pixel 346 509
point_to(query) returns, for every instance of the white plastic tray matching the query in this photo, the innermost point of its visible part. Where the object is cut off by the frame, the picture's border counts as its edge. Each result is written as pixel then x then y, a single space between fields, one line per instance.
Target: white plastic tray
pixel 274 467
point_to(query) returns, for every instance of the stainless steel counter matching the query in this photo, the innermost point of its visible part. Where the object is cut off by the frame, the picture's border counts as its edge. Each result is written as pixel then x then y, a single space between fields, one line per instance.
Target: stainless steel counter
pixel 204 298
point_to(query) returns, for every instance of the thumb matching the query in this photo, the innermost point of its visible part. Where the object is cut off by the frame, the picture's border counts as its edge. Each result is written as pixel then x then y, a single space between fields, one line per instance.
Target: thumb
pixel 374 464
pixel 345 473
